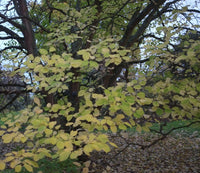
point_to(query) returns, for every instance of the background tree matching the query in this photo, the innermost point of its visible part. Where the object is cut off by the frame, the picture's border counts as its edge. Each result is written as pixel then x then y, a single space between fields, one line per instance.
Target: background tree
pixel 97 65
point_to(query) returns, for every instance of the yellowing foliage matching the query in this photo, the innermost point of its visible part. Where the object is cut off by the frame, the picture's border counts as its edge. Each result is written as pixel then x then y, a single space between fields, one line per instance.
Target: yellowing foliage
pixel 69 127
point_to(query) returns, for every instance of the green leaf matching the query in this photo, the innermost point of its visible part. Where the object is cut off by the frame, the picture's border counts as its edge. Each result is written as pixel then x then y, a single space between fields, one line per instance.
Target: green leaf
pixel 76 63
pixel 117 60
pixel 43 51
pixel 139 128
pixel 85 54
pixel 122 127
pixel 141 95
pixel 52 49
pixel 94 64
pixel 139 113
pixel 137 87
pixel 145 101
pixel 105 52
pixel 159 111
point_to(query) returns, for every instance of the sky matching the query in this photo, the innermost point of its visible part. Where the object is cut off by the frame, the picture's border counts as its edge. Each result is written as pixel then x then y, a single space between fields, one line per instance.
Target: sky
pixel 193 3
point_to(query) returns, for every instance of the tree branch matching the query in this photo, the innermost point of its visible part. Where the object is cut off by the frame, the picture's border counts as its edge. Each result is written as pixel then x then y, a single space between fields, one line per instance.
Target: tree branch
pixel 15 24
pixel 136 18
pixel 31 20
pixel 153 142
pixel 10 102
pixel 13 35
pixel 11 47
pixel 13 85
pixel 53 8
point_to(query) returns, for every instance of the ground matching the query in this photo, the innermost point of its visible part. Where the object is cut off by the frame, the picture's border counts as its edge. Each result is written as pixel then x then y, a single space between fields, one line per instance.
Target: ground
pixel 177 153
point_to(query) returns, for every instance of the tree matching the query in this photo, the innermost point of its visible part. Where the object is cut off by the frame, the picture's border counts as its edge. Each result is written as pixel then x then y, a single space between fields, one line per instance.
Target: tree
pixel 97 65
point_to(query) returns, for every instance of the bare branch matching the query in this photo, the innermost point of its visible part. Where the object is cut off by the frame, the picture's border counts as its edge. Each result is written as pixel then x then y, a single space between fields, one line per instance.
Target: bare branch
pixel 15 24
pixel 11 47
pixel 13 85
pixel 10 102
pixel 13 35
pixel 136 18
pixel 53 8
pixel 31 20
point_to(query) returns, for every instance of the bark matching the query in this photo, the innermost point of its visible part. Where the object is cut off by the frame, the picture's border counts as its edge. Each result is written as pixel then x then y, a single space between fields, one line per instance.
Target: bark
pixel 29 38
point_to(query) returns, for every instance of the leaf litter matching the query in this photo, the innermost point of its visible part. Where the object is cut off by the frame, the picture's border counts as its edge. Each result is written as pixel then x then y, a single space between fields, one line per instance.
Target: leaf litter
pixel 175 154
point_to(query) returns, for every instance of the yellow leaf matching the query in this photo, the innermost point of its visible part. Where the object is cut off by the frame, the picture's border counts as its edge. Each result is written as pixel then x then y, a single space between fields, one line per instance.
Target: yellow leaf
pixel 37 101
pixel 69 146
pixel 64 155
pixel 8 159
pixel 73 133
pixel 106 148
pixel 27 154
pixel 49 105
pixel 85 170
pixel 76 63
pixel 2 165
pixel 37 110
pixel 146 129
pixel 53 140
pixel 48 132
pixel 14 163
pixel 77 164
pixel 109 122
pixel 28 167
pixel 52 124
pixel 87 163
pixel 103 138
pixel 113 129
pixel 113 144
pixel 105 127
pixel 37 157
pixel 18 168
pixel 52 49
pixel 31 162
pixel 30 144
pixel 87 149
pixel 43 51
pixel 102 146
pixel 1 132
pixel 69 124
pixel 64 136
pixel 75 154
pixel 23 139
pixel 7 138
pixel 119 117
pixel 60 145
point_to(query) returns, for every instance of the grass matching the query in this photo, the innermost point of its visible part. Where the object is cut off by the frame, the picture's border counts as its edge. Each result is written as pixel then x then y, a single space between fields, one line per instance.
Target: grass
pixel 51 166
pixel 176 125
